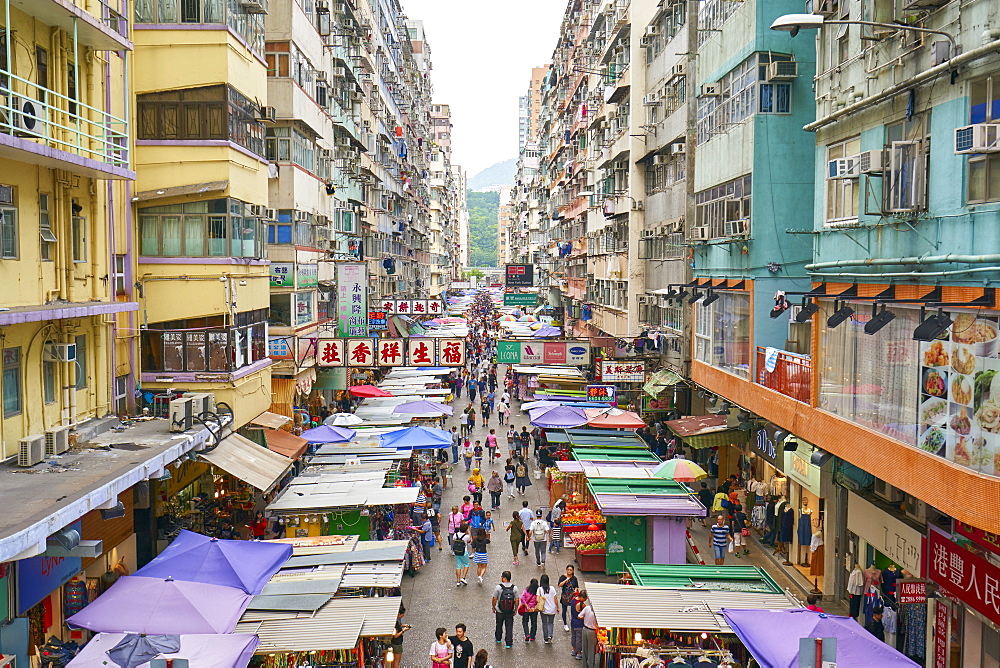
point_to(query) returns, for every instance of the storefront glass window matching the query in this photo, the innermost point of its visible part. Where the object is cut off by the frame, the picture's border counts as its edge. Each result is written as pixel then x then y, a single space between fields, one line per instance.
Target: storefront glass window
pixel 722 333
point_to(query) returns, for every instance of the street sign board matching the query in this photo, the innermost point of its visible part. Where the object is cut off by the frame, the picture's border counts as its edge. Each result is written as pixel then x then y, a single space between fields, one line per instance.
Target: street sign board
pixel 520 299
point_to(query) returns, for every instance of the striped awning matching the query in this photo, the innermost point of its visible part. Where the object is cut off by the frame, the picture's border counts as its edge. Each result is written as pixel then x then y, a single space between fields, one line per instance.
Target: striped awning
pixel 270 420
pixel 248 461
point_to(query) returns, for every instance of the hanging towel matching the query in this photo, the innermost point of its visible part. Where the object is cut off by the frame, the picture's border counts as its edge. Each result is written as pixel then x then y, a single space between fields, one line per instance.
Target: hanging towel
pixel 770 359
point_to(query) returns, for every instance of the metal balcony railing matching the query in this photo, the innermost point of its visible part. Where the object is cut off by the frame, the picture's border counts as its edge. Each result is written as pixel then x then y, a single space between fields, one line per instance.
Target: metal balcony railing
pixel 55 120
pixel 792 374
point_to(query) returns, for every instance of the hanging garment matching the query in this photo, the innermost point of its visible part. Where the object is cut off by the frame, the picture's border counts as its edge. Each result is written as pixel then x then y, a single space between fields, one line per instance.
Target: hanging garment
pixel 856 582
pixel 805 529
pixel 816 561
pixel 914 628
pixel 889 620
pixel 787 522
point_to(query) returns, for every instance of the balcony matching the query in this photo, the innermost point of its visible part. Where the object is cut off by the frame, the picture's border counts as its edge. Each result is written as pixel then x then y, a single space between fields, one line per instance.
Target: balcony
pixel 42 127
pixel 792 374
pixel 95 23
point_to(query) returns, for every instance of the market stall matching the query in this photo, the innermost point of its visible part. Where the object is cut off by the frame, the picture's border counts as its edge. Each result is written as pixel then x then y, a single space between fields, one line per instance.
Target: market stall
pixel 714 578
pixel 672 623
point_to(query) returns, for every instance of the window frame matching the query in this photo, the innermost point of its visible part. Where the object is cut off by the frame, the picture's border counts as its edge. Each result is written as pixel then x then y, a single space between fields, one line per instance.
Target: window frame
pixel 81 361
pixel 11 375
pixel 841 190
pixel 981 167
pixel 46 236
pixel 8 218
pixel 79 240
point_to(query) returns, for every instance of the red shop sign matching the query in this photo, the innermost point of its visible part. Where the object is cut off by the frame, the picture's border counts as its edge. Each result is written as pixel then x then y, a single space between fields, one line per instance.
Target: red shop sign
pixel 990 541
pixel 911 591
pixel 941 635
pixel 964 575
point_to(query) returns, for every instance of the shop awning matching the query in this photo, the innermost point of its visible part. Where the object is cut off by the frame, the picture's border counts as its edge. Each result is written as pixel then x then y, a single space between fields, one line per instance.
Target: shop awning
pixel 248 461
pixel 286 444
pixel 648 506
pixel 177 191
pixel 270 420
pixel 692 576
pixel 706 431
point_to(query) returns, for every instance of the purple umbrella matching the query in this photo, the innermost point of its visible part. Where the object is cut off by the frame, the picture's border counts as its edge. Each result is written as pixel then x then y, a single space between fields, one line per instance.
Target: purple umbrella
pixel 329 434
pixel 546 332
pixel 246 565
pixel 559 417
pixel 137 604
pixel 855 646
pixel 424 406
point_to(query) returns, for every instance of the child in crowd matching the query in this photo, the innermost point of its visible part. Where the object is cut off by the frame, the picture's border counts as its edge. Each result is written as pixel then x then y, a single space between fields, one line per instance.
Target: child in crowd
pixel 477 452
pixel 488 524
pixel 555 541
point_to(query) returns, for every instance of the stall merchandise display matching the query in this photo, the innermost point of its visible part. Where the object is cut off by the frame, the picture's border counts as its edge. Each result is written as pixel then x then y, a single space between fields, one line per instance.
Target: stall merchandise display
pixel 588 541
pixel 338 658
pixel 617 644
pixel 582 516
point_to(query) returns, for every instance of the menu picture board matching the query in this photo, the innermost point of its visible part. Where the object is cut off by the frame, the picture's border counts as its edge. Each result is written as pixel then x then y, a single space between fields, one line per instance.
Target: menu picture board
pixel 959 411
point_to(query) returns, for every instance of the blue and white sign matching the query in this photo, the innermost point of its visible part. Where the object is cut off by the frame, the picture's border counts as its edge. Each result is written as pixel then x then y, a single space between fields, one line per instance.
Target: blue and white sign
pixel 39 576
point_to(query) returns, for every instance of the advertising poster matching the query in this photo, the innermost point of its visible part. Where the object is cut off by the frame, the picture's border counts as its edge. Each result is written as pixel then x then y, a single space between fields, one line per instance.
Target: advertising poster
pixel 352 299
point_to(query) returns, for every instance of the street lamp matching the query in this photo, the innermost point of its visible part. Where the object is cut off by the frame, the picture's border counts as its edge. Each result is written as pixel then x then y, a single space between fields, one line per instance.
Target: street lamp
pixel 793 23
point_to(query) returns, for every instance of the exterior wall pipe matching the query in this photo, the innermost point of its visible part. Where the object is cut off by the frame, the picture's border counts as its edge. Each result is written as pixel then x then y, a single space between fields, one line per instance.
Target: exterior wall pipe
pixel 926 259
pixel 926 75
pixel 907 274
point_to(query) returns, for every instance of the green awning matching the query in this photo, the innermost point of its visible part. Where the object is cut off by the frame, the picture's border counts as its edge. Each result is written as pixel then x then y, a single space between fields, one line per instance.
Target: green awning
pixel 660 380
pixel 641 486
pixel 750 579
pixel 716 439
pixel 614 455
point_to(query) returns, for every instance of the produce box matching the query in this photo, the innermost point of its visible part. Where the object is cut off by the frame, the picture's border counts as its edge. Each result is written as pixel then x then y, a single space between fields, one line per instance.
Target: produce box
pixel 591 561
pixel 589 541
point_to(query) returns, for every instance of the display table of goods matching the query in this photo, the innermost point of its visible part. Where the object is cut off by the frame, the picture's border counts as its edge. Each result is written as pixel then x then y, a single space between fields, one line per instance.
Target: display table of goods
pixel 582 517
pixel 590 552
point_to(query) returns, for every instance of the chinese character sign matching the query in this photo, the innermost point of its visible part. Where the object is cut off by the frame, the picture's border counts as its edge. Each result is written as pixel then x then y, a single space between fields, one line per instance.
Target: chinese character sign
pixel 418 307
pixel 420 352
pixel 282 274
pixel 388 305
pixel 330 353
pixel 451 352
pixel 965 575
pixel 279 347
pixel 378 320
pixel 623 371
pixel 435 307
pixel 360 352
pixel 911 591
pixel 352 300
pixel 390 352
pixel 601 393
pixel 403 306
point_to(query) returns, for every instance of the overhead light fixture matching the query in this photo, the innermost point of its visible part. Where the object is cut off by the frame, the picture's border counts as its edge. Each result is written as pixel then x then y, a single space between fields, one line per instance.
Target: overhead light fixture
pixel 839 315
pixel 780 435
pixel 681 294
pixel 114 512
pixel 714 401
pixel 791 444
pixel 724 408
pixel 934 326
pixel 66 538
pixel 879 319
pixel 806 311
pixel 712 296
pixel 695 296
pixel 820 457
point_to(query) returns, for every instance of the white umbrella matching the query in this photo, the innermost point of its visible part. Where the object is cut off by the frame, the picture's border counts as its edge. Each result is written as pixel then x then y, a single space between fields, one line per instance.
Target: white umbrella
pixel 343 420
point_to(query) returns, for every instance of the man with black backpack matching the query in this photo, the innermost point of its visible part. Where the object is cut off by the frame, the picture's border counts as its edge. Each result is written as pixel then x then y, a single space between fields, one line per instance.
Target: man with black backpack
pixel 460 548
pixel 505 597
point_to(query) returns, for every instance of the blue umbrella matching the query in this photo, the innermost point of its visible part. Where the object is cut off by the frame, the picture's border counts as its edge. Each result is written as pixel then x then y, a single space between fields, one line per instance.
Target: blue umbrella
pixel 329 434
pixel 136 649
pixel 416 438
pixel 424 406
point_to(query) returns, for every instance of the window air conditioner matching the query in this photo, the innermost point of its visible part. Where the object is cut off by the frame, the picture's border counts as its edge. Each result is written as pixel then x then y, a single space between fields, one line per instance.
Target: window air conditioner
pixel 700 232
pixel 301 216
pixel 254 6
pixel 651 100
pixel 870 162
pixel 735 228
pixel 661 159
pixel 978 138
pixel 56 441
pixel 678 148
pixel 782 70
pixel 31 450
pixel 679 70
pixel 843 168
pixel 267 115
pixel 711 89
pixel 887 491
pixel 339 72
pixel 321 76
pixel 271 214
pixel 344 141
pixel 59 352
pixel 652 30
pixel 256 210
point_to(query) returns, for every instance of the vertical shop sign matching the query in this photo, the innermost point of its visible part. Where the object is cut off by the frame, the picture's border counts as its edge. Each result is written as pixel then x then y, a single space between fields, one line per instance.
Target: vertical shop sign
pixel 331 353
pixel 420 352
pixel 941 635
pixel 451 352
pixel 390 352
pixel 964 575
pixel 352 300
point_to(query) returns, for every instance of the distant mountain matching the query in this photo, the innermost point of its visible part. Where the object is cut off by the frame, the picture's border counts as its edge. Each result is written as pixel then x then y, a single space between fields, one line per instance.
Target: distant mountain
pixel 492 178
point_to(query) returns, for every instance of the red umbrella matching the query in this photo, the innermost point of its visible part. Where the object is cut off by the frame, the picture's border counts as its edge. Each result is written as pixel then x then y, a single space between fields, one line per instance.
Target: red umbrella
pixel 613 418
pixel 368 391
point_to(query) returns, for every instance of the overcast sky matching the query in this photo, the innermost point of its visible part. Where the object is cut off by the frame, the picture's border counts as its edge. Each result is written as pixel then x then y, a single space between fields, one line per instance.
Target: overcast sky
pixel 482 53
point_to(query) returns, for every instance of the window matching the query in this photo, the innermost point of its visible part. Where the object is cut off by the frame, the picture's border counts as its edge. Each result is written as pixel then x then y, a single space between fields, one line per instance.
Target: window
pixel 215 12
pixel 118 276
pixel 203 344
pixel 81 361
pixel 71 87
pixel 722 333
pixel 209 112
pixel 670 171
pixel 45 227
pixel 49 382
pixel 12 398
pixel 280 313
pixel 904 186
pixel 287 144
pixel 41 67
pixel 721 208
pixel 8 232
pixel 79 239
pixel 208 228
pixel 121 395
pixel 712 15
pixel 744 91
pixel 4 65
pixel 842 194
pixel 984 169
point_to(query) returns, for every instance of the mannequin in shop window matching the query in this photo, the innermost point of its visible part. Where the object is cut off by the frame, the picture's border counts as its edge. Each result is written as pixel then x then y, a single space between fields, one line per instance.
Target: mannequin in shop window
pixel 889 577
pixel 785 519
pixel 804 533
pixel 855 589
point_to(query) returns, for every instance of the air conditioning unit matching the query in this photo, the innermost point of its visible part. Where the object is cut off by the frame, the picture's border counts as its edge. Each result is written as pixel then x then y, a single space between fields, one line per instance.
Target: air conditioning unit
pixel 978 138
pixel 256 210
pixel 700 232
pixel 321 76
pixel 59 352
pixel 782 70
pixel 652 30
pixel 181 414
pixel 921 5
pixel 344 141
pixel 843 168
pixel 642 300
pixel 678 148
pixel 679 70
pixel 355 95
pixel 339 72
pixel 651 100
pixel 271 214
pixel 201 403
pixel 645 41
pixel 29 115
pixel 301 216
pixel 267 115
pixel 56 441
pixel 254 6
pixel 735 228
pixel 827 8
pixel 31 450
pixel 711 89
pixel 661 159
pixel 887 491
pixel 870 162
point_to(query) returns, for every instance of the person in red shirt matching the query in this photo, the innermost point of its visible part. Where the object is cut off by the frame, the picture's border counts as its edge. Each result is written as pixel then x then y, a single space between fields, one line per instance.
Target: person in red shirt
pixel 259 527
pixel 812 600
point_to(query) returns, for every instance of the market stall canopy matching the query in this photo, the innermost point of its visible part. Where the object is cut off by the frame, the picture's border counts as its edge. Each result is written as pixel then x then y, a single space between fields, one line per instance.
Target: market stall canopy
pixel 271 420
pixel 557 417
pixel 706 431
pixel 631 606
pixel 137 604
pixel 201 650
pixel 286 444
pixel 326 433
pixel 367 391
pixel 248 461
pixel 855 645
pixel 343 420
pixel 614 454
pixel 661 380
pixel 192 557
pixel 416 438
pixel 295 501
pixel 613 418
pixel 713 578
pixel 424 406
pixel 547 331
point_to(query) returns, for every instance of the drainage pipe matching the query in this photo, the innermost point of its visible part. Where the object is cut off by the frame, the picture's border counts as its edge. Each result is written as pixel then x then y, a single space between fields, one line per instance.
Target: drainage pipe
pixel 906 274
pixel 921 259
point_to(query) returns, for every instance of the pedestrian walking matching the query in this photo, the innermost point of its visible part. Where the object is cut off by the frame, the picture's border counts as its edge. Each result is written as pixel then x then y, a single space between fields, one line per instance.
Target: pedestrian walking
pixel 479 556
pixel 472 419
pixel 504 606
pixel 503 412
pixel 707 498
pixel 476 517
pixel 466 507
pixel 513 442
pixel 720 539
pixel 458 387
pixel 528 607
pixel 516 529
pixel 476 481
pixel 473 386
pixel 491 445
pixel 477 453
pixel 482 659
pixel 460 548
pixel 739 528
pixel 456 441
pixel 444 467
pixel 495 487
pixel 555 537
pixel 568 585
pixel 526 519
pixel 397 638
pixel 441 649
pixel 509 478
pixel 575 627
pixel 462 647
pixel 525 442
pixel 547 594
pixel 467 453
pixel 455 519
pixel 521 480
pixel 539 531
pixel 589 634
pixel 427 537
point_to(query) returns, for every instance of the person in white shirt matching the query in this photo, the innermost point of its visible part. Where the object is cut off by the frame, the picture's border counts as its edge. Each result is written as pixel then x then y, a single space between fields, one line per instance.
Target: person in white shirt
pixel 539 534
pixel 547 593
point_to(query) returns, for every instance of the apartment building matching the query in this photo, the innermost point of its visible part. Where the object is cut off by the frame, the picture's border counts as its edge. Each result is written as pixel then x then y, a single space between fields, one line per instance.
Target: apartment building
pixel 445 203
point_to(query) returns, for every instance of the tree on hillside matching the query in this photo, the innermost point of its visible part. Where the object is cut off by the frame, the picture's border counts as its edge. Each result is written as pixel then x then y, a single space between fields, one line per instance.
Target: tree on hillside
pixel 484 209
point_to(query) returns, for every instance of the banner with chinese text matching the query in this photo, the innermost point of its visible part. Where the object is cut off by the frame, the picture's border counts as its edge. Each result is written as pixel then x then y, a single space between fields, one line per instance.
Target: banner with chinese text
pixel 352 300
pixel 966 576
pixel 623 371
